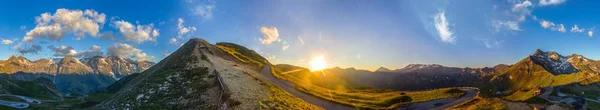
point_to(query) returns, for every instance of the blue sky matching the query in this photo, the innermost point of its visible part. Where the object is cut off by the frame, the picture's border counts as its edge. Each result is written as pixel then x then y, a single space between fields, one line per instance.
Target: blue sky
pixel 363 34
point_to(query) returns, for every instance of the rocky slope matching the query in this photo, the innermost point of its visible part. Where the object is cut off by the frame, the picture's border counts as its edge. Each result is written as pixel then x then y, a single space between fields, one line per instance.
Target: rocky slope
pixel 115 66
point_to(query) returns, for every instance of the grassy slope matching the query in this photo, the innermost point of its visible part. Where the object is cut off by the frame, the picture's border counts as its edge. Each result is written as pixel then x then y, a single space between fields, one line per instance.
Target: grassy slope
pixel 362 98
pixel 27 88
pixel 524 76
pixel 243 54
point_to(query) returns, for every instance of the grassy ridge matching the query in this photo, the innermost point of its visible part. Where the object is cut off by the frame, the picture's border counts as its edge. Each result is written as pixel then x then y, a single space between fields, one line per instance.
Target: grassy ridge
pixel 524 76
pixel 243 54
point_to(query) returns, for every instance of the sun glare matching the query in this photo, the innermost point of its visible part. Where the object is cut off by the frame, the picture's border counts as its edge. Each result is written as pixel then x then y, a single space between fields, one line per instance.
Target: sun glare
pixel 318 63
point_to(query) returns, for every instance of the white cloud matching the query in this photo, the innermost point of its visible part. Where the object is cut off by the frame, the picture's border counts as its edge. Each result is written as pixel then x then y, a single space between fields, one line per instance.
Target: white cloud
pixel 137 34
pixel 521 18
pixel 63 50
pixel 577 29
pixel 204 11
pixel 173 41
pixel 8 41
pixel 183 30
pixel 547 24
pixel 561 28
pixel 125 50
pixel 270 34
pixel 443 28
pixel 93 51
pixel 492 44
pixel 23 27
pixel 507 25
pixel 66 21
pixel 523 7
pixel 590 33
pixel 34 48
pixel 551 2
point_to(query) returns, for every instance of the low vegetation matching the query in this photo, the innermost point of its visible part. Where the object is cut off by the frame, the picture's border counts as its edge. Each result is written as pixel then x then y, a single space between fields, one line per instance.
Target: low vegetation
pixel 243 54
pixel 364 97
pixel 482 103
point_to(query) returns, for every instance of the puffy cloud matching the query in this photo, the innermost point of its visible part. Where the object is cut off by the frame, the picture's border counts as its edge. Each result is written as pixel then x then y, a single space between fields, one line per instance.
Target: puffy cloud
pixel 551 2
pixel 270 34
pixel 8 41
pixel 546 24
pixel 182 29
pixel 590 33
pixel 34 48
pixel 63 50
pixel 173 41
pixel 66 21
pixel 93 51
pixel 204 11
pixel 136 34
pixel 523 7
pixel 577 29
pixel 508 25
pixel 443 28
pixel 125 50
pixel 561 28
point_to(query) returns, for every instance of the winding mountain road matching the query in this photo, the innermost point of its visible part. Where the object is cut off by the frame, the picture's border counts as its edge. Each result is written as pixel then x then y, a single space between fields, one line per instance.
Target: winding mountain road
pixel 439 104
pixel 19 104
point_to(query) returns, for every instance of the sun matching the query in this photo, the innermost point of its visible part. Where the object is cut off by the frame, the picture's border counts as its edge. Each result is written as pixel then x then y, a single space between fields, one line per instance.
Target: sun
pixel 317 63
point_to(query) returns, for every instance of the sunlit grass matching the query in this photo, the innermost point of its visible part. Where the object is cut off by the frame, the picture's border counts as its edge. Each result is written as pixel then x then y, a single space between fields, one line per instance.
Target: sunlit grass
pixel 368 98
pixel 481 103
pixel 243 54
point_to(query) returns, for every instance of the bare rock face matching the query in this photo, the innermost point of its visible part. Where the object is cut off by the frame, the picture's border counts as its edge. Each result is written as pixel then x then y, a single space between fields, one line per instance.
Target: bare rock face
pixel 16 64
pixel 116 66
pixel 553 62
pixel 69 65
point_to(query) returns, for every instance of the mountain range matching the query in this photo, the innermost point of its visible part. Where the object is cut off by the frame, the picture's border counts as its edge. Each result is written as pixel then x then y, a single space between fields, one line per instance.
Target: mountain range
pixel 201 75
pixel 72 75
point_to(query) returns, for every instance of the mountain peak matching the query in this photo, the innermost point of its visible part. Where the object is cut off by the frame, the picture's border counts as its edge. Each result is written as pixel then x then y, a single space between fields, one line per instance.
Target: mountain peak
pixel 553 62
pixel 538 51
pixel 383 69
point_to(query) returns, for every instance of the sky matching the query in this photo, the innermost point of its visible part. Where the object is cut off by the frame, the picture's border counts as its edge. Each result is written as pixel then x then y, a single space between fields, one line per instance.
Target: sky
pixel 364 34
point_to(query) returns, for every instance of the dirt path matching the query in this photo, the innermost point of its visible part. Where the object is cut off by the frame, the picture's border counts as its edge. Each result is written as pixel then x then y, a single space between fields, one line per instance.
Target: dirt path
pixel 432 105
